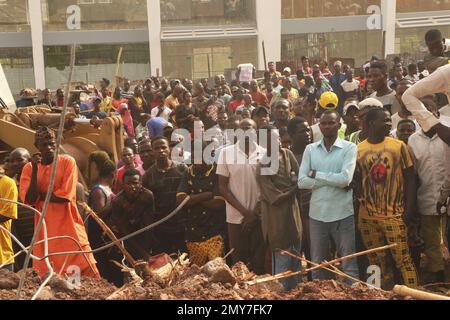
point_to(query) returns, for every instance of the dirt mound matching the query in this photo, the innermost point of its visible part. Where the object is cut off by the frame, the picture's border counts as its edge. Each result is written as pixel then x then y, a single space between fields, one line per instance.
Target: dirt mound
pixel 90 289
pixel 193 284
pixel 187 282
pixel 333 290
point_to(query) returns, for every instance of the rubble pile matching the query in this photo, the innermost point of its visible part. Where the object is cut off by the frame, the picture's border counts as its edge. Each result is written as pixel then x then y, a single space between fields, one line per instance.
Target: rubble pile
pixel 57 289
pixel 333 290
pixel 181 281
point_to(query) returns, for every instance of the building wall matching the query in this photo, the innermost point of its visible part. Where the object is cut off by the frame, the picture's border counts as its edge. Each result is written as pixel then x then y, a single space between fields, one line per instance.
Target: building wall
pixel 177 37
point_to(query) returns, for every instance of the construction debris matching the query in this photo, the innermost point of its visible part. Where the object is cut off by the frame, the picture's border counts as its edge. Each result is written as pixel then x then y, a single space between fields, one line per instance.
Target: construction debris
pixel 179 280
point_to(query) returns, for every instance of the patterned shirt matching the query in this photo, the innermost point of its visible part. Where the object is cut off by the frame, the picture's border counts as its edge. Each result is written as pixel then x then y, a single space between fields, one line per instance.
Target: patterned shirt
pixel 380 167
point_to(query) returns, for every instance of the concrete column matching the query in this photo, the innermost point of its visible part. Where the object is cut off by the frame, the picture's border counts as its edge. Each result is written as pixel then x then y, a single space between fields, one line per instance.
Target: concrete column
pixel 389 15
pixel 35 14
pixel 268 19
pixel 154 36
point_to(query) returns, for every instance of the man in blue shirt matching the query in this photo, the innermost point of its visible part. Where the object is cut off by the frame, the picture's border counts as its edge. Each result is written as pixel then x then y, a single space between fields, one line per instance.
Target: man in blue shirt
pixel 327 169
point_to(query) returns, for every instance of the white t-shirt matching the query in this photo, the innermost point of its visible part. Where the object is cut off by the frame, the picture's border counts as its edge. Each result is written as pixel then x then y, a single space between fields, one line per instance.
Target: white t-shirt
pixel 350 86
pixel 241 171
pixel 445 111
pixel 396 119
pixel 394 130
pixel 165 114
pixel 387 100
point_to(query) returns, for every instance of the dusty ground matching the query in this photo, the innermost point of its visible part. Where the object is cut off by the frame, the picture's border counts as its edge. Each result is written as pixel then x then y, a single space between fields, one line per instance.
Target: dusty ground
pixel 188 283
pixel 91 289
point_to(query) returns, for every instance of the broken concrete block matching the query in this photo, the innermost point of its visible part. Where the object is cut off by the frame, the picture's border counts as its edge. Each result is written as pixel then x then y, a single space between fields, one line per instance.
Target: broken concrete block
pixel 218 271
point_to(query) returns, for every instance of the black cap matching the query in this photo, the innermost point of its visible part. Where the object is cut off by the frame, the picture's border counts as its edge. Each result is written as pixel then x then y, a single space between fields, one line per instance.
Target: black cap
pixel 258 110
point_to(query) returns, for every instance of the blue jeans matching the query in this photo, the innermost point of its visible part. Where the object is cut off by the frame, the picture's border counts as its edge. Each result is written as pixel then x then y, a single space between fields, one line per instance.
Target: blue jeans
pixel 281 263
pixel 343 234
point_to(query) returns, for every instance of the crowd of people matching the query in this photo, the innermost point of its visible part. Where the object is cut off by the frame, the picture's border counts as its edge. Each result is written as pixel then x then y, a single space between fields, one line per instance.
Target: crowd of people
pixel 356 170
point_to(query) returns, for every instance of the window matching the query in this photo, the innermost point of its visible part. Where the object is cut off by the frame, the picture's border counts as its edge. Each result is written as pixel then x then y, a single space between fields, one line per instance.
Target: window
pixel 14 16
pixel 295 9
pixel 96 14
pixel 420 5
pixel 207 12
pixel 411 41
pixel 86 1
pixel 94 62
pixel 189 59
pixel 219 60
pixel 17 64
pixel 356 45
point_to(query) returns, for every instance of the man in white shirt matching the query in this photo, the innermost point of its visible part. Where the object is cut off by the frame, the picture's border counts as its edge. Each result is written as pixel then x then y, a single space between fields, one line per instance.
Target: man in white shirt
pixel 430 162
pixel 248 104
pixel 437 82
pixel 350 86
pixel 161 110
pixel 236 169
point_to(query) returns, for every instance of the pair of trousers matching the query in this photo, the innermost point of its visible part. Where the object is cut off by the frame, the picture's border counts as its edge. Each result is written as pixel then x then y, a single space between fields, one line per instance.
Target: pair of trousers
pixel 343 234
pixel 431 232
pixel 380 232
pixel 282 263
pixel 9 267
pixel 202 252
pixel 248 246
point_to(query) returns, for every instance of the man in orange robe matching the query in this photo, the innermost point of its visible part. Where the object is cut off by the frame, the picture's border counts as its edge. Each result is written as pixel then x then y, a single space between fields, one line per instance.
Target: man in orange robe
pixel 62 217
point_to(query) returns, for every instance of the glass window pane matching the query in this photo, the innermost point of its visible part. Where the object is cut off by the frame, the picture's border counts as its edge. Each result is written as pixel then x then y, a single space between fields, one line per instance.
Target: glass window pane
pixel 14 16
pixel 189 59
pixel 421 5
pixel 94 62
pixel 17 64
pixel 294 9
pixel 357 45
pixel 95 14
pixel 412 40
pixel 207 12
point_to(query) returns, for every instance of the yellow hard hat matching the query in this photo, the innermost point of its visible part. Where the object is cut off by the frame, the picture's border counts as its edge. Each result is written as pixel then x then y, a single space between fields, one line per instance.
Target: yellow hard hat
pixel 329 100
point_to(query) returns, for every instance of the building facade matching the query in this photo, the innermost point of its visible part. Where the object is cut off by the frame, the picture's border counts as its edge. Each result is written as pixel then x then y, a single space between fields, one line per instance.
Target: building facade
pixel 199 38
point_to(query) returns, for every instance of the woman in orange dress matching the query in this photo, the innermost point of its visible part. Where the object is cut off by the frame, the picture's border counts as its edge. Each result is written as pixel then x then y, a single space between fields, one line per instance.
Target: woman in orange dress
pixel 62 217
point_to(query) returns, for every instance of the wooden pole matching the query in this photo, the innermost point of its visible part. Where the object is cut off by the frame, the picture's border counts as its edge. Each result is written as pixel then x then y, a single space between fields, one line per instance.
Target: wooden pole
pixel 116 74
pixel 288 274
pixel 417 294
pixel 354 256
pixel 209 66
pixel 108 232
pixel 333 268
pixel 264 55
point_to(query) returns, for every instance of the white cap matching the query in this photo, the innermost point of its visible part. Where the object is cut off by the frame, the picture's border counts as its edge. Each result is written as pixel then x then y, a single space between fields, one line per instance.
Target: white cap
pixel 370 102
pixel 349 104
pixel 287 69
